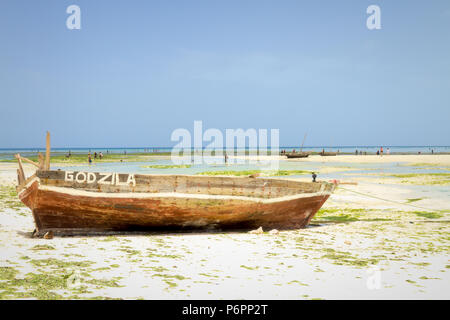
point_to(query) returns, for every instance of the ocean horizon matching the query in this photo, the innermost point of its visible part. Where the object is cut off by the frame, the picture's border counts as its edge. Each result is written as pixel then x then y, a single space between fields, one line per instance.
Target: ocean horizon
pixel 7 153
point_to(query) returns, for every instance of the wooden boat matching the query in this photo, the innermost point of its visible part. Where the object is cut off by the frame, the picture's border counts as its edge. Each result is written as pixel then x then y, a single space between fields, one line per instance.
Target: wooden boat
pixel 294 155
pixel 300 154
pixel 327 154
pixel 73 202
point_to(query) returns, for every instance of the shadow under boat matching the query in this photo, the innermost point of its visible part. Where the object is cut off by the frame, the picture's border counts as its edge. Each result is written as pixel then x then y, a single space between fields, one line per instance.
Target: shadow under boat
pixel 73 233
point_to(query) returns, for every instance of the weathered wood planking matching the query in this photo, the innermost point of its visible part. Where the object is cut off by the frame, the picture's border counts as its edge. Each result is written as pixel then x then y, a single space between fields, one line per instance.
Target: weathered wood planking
pixel 29 161
pixel 41 161
pixel 20 173
pixel 114 182
pixel 66 201
pixel 62 211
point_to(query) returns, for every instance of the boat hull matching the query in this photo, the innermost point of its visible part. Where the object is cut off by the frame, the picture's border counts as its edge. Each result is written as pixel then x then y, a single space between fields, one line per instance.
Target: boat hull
pixel 67 210
pixel 328 154
pixel 297 155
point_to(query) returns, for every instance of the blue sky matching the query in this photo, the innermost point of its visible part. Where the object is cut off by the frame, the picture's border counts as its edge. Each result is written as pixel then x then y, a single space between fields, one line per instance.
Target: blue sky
pixel 137 70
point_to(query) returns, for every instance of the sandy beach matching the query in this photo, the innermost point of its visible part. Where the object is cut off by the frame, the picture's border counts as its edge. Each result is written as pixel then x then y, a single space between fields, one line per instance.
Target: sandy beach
pixel 387 237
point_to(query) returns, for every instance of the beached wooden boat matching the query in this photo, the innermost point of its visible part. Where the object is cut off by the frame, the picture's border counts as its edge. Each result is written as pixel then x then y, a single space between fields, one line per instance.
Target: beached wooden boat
pixel 294 155
pixel 71 202
pixel 327 154
pixel 301 154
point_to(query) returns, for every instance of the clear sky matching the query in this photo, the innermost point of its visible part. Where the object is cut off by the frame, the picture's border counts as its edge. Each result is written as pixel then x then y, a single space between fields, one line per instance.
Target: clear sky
pixel 137 70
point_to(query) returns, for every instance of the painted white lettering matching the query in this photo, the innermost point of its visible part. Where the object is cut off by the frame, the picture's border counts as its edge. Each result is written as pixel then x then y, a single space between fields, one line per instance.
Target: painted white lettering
pixel 103 179
pixel 69 176
pixel 80 177
pixel 118 183
pixel 131 180
pixel 91 177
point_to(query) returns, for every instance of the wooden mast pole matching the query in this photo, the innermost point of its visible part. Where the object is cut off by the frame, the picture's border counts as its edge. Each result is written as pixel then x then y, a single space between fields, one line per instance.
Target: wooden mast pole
pixel 304 138
pixel 41 161
pixel 47 153
pixel 20 172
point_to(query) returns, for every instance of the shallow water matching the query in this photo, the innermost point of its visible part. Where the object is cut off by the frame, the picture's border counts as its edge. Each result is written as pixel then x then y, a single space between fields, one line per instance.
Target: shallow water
pixel 340 170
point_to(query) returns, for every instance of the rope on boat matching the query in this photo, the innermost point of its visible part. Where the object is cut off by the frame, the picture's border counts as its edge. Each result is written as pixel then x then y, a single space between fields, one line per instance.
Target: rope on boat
pixel 388 200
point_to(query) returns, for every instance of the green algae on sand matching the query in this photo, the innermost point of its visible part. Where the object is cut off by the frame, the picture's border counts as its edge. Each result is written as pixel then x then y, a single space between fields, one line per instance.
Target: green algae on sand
pixel 424 178
pixel 9 198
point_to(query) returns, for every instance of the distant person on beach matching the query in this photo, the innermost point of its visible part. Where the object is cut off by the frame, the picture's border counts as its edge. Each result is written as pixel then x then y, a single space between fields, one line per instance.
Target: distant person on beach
pixel 356 152
pixel 314 176
pixel 432 151
pixel 95 155
pixel 89 158
pixel 100 155
pixel 378 152
pixel 381 150
pixel 226 158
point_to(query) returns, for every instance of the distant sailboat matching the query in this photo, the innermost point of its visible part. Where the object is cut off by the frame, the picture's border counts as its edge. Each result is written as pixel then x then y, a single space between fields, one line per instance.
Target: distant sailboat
pixel 324 153
pixel 300 154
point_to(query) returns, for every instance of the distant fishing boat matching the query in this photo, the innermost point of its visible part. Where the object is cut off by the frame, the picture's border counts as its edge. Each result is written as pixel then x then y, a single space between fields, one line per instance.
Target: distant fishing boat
pixel 300 154
pixel 326 154
pixel 77 201
pixel 293 155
